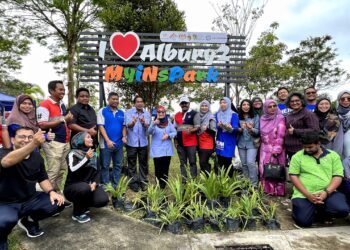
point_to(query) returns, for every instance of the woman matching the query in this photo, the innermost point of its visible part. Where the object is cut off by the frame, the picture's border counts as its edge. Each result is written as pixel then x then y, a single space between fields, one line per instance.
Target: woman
pixel 272 132
pixel 227 126
pixel 22 115
pixel 162 132
pixel 81 186
pixel 329 124
pixel 206 135
pixel 299 121
pixel 257 106
pixel 247 140
pixel 343 110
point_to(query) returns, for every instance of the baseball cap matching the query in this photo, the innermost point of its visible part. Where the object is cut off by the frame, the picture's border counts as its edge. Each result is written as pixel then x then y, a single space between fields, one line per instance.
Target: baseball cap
pixel 184 99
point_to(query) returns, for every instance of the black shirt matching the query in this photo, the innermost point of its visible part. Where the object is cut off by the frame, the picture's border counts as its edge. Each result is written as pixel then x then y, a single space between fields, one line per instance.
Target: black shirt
pixel 17 183
pixel 84 116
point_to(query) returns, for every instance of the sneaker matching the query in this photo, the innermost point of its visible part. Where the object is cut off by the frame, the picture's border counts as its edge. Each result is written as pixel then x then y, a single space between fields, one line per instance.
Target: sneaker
pixel 67 204
pixel 31 227
pixel 83 218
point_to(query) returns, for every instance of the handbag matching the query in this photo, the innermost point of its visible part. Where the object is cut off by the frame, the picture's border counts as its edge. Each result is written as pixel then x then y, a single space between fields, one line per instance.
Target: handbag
pixel 274 172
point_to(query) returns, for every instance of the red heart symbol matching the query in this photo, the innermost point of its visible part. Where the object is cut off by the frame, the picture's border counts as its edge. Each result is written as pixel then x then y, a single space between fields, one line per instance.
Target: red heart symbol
pixel 125 46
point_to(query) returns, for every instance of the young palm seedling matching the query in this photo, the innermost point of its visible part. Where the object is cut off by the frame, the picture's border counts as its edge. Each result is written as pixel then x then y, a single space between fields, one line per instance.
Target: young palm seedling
pixel 209 185
pixel 118 193
pixel 171 217
pixel 196 211
pixel 233 216
pixel 268 212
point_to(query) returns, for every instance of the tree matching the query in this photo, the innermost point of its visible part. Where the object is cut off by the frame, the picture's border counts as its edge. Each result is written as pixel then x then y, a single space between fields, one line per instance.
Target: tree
pixel 16 87
pixel 264 66
pixel 205 91
pixel 316 60
pixel 239 18
pixel 13 44
pixel 147 16
pixel 60 19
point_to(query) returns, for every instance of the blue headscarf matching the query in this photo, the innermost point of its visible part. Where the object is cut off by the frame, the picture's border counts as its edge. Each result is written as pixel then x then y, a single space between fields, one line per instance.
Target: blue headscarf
pixel 225 116
pixel 79 148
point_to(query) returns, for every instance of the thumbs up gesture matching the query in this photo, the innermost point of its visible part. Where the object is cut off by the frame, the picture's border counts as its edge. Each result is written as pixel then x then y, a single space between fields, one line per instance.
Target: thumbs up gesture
pixel 39 138
pixel 290 129
pixel 50 135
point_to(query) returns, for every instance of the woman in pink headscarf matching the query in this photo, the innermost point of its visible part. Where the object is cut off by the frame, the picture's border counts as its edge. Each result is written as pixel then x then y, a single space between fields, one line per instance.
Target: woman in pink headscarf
pixel 272 132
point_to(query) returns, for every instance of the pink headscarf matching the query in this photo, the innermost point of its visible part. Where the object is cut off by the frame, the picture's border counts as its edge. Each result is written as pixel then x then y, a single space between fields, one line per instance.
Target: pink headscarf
pixel 269 121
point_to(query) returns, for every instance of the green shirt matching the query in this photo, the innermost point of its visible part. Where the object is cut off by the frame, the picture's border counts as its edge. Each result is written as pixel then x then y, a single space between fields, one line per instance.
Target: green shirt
pixel 315 174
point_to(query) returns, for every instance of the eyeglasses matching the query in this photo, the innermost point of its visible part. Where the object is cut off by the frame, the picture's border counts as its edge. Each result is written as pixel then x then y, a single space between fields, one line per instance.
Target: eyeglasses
pixel 23 137
pixel 311 93
pixel 161 112
pixel 271 106
pixel 295 101
pixel 343 99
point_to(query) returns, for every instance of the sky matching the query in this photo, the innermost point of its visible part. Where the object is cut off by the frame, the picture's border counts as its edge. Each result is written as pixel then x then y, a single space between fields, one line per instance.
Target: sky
pixel 298 19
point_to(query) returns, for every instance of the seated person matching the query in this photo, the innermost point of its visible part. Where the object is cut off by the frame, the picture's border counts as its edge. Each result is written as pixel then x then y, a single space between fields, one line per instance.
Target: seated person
pixel 81 186
pixel 316 173
pixel 20 170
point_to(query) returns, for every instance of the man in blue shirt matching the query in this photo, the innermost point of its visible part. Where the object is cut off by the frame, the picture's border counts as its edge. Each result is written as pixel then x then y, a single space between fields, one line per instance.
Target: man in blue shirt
pixel 311 98
pixel 110 121
pixel 282 95
pixel 137 121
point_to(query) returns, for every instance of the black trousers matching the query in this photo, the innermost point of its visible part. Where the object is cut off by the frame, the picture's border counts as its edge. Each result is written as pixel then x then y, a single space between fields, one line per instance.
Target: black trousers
pixel 82 197
pixel 133 154
pixel 225 163
pixel 187 153
pixel 38 207
pixel 161 169
pixel 204 156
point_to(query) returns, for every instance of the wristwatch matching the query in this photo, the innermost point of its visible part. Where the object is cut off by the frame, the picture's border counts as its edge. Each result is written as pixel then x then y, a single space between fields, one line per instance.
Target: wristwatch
pixel 52 190
pixel 328 193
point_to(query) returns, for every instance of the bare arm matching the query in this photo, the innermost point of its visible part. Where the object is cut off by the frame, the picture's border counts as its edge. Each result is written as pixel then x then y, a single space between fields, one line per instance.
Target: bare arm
pixel 5 137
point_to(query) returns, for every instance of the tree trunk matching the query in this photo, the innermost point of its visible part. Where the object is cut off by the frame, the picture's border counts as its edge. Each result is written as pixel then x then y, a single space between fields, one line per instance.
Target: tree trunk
pixel 70 73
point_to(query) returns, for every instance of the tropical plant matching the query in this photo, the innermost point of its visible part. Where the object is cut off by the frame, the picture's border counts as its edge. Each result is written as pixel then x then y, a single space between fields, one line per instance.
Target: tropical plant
pixel 152 199
pixel 248 204
pixel 196 210
pixel 209 185
pixel 191 190
pixel 268 211
pixel 228 186
pixel 119 191
pixel 173 213
pixel 234 210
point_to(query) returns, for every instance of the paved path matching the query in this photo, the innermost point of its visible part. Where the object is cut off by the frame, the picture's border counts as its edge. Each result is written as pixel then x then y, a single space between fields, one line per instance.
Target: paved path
pixel 110 230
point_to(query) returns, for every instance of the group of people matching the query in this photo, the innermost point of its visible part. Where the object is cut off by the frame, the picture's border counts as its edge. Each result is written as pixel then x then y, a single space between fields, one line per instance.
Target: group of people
pixel 305 134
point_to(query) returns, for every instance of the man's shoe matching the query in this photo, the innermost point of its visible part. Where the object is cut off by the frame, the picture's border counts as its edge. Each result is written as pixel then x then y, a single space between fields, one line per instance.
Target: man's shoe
pixel 83 218
pixel 31 227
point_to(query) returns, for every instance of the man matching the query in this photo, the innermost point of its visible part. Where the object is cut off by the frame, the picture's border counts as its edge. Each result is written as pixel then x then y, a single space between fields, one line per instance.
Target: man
pixel 52 114
pixel 282 95
pixel 84 116
pixel 186 138
pixel 316 173
pixel 137 121
pixel 311 98
pixel 20 170
pixel 110 121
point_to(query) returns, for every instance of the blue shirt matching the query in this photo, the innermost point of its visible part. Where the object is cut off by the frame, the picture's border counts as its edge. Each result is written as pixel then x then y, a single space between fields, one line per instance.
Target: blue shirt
pixel 137 135
pixel 160 148
pixel 311 107
pixel 113 123
pixel 226 141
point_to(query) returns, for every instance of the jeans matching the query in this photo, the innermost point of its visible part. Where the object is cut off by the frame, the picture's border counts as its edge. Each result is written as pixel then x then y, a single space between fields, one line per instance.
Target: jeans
pixel 250 170
pixel 38 207
pixel 304 211
pixel 142 155
pixel 116 154
pixel 187 153
pixel 82 197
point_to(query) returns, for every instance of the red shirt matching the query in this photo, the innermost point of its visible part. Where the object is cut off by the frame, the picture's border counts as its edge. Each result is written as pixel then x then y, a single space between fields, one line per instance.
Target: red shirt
pixel 186 140
pixel 206 141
